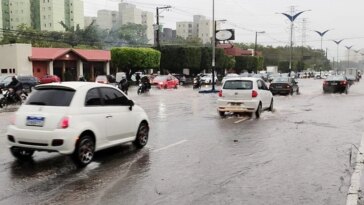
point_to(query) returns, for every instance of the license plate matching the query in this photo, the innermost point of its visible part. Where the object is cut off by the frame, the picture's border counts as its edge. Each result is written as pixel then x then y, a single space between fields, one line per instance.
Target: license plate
pixel 235 104
pixel 35 121
pixel 333 83
pixel 279 87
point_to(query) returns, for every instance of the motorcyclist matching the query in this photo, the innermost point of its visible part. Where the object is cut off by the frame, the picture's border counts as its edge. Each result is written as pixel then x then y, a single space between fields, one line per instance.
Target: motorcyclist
pixel 197 82
pixel 124 85
pixel 82 78
pixel 145 82
pixel 16 86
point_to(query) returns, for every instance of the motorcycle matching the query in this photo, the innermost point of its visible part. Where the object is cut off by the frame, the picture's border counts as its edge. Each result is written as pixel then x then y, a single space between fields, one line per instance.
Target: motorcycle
pixel 143 88
pixel 11 97
pixel 196 83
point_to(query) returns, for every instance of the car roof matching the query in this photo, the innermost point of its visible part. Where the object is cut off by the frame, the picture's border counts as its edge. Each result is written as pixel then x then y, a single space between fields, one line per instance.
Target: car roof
pixel 242 78
pixel 73 85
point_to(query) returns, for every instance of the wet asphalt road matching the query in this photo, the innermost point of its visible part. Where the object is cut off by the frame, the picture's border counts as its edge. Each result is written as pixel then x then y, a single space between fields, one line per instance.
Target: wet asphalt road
pixel 299 154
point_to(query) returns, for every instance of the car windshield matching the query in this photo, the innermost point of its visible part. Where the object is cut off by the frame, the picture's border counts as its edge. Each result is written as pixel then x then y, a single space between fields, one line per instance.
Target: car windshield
pixel 335 77
pixel 280 80
pixel 238 85
pixel 51 97
pixel 101 78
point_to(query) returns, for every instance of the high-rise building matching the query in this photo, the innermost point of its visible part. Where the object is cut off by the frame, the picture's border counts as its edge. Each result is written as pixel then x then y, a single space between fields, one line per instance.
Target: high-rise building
pixel 201 28
pixel 107 19
pixel 89 20
pixel 148 20
pixel 42 14
pixel 129 14
pixel 184 29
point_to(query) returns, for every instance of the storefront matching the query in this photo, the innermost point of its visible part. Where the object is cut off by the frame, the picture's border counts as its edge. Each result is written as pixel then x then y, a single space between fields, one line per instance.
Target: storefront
pixel 70 64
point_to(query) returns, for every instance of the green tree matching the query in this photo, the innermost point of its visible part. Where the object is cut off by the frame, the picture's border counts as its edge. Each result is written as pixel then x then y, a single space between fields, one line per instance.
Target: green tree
pixel 131 60
pixel 133 34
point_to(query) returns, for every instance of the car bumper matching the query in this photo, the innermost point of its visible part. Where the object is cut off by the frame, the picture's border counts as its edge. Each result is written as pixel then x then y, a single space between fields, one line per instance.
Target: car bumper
pixel 237 106
pixel 280 91
pixel 43 140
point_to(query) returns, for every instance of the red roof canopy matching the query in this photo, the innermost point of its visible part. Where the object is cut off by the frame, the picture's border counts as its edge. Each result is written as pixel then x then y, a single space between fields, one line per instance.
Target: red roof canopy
pixel 51 54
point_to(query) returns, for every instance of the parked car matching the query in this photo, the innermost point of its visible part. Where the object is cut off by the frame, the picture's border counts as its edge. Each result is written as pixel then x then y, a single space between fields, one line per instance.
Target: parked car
pixel 77 119
pixel 28 82
pixel 336 83
pixel 244 95
pixel 284 85
pixel 207 78
pixel 165 81
pixel 49 79
pixel 229 75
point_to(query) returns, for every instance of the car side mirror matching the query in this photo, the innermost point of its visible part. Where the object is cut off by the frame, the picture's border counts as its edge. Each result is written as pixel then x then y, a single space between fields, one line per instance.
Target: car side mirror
pixel 131 104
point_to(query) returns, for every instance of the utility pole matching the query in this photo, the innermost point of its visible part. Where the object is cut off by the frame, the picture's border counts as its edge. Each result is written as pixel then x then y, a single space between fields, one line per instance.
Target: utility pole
pixel 158 30
pixel 157 26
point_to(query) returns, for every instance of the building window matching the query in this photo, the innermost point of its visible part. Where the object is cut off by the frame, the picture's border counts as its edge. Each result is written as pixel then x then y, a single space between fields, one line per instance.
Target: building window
pixel 4 71
pixel 44 17
pixel 50 24
pixel 45 25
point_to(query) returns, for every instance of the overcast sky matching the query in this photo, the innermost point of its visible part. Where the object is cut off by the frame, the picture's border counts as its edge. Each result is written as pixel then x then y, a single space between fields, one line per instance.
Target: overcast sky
pixel 344 17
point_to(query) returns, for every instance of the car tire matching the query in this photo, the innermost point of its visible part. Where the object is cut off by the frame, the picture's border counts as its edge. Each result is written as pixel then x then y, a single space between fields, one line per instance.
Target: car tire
pixel 176 86
pixel 142 135
pixel 22 154
pixel 84 151
pixel 165 87
pixel 222 113
pixel 259 111
pixel 271 106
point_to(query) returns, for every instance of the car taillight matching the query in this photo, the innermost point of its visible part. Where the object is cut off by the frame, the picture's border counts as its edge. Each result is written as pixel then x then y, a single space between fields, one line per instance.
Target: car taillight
pixel 220 93
pixel 343 82
pixel 64 123
pixel 254 94
pixel 288 86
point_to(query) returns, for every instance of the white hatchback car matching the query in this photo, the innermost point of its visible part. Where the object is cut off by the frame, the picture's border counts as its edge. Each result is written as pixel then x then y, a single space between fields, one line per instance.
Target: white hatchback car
pixel 76 118
pixel 244 94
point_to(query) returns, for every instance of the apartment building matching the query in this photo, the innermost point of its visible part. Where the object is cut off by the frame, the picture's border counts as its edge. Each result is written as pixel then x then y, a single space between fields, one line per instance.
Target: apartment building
pixel 89 19
pixel 127 13
pixel 201 27
pixel 148 20
pixel 107 19
pixel 184 29
pixel 42 14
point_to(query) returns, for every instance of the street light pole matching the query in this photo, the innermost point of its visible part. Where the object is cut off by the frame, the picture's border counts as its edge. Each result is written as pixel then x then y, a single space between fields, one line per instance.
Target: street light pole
pixel 337 54
pixel 256 40
pixel 292 18
pixel 348 47
pixel 213 46
pixel 321 34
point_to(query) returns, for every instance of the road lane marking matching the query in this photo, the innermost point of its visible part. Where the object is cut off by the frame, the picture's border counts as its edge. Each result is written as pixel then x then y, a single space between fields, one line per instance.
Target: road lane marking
pixel 170 146
pixel 353 193
pixel 242 120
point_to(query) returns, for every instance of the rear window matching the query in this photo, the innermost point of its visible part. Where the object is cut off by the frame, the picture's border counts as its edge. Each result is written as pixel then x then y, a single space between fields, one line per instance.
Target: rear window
pixel 335 77
pixel 280 80
pixel 51 97
pixel 238 85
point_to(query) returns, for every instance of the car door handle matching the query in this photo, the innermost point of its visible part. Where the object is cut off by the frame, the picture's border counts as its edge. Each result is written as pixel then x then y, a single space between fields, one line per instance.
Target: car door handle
pixel 109 116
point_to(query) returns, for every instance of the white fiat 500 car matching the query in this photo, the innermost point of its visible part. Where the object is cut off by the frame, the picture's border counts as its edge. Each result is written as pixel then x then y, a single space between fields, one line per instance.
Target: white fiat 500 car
pixel 244 94
pixel 76 118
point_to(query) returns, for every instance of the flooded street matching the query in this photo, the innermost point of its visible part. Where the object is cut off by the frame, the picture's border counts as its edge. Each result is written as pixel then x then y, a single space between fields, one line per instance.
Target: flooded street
pixel 299 154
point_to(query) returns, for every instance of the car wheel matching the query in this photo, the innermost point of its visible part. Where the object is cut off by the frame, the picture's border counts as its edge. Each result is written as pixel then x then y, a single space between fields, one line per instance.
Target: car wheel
pixel 259 111
pixel 22 154
pixel 165 87
pixel 84 151
pixel 176 86
pixel 142 135
pixel 271 106
pixel 222 113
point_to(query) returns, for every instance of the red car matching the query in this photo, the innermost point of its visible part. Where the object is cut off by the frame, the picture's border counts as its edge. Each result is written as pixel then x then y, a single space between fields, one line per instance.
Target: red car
pixel 49 79
pixel 166 81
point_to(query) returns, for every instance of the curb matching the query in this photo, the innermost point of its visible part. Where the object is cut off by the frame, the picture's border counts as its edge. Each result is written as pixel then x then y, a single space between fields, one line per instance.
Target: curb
pixel 354 189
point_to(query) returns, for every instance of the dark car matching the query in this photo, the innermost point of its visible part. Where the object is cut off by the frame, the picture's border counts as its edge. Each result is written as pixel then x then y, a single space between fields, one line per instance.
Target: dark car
pixel 284 85
pixel 28 82
pixel 336 83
